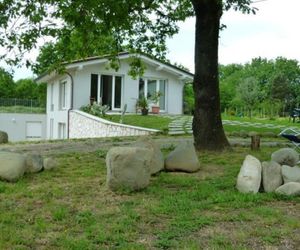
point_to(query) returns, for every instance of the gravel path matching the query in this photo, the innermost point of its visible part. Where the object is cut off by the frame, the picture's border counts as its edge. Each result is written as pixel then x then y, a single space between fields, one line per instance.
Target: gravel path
pixel 91 145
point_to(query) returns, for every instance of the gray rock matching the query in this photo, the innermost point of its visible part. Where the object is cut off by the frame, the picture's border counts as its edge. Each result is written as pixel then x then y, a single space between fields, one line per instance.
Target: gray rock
pixel 249 177
pixel 183 158
pixel 50 163
pixel 291 188
pixel 285 156
pixel 3 137
pixel 271 176
pixel 128 168
pixel 157 161
pixel 34 163
pixel 12 166
pixel 290 174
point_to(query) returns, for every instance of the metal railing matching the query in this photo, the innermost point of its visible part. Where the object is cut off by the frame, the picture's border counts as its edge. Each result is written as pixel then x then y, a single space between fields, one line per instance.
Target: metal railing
pixel 15 105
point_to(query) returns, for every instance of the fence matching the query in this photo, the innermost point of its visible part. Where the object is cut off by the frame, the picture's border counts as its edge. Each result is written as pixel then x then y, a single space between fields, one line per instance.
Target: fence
pixel 15 105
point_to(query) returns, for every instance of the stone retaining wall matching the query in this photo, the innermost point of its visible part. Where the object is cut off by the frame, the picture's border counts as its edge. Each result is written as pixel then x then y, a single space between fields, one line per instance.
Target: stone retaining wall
pixel 83 125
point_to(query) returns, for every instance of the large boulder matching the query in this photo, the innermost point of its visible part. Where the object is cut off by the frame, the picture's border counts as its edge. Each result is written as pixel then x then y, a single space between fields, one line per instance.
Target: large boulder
pixel 50 163
pixel 291 188
pixel 286 156
pixel 290 174
pixel 157 161
pixel 271 176
pixel 12 166
pixel 183 158
pixel 128 168
pixel 3 137
pixel 249 177
pixel 34 163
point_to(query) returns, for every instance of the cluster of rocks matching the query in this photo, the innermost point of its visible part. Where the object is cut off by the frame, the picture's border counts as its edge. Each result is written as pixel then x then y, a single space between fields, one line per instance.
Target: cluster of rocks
pixel 280 175
pixel 131 167
pixel 14 165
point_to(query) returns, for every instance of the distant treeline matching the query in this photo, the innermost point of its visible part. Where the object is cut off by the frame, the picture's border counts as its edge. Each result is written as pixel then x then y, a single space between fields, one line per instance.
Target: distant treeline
pixel 21 89
pixel 262 86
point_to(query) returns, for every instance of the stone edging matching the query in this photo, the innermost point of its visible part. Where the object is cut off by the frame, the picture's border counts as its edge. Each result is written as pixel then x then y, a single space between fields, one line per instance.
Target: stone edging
pixel 98 119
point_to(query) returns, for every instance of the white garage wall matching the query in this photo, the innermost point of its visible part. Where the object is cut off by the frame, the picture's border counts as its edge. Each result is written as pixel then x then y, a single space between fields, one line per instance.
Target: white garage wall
pixel 22 127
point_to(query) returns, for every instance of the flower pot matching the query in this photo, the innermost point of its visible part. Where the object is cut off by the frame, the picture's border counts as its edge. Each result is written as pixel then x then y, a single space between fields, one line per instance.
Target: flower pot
pixel 155 109
pixel 144 111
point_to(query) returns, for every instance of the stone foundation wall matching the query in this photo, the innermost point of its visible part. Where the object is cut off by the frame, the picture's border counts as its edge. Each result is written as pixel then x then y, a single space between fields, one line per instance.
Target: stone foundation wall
pixel 83 125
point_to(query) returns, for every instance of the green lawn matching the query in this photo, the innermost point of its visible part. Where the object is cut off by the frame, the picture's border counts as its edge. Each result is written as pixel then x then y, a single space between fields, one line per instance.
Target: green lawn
pixel 162 122
pixel 21 109
pixel 276 121
pixel 71 208
pixel 147 121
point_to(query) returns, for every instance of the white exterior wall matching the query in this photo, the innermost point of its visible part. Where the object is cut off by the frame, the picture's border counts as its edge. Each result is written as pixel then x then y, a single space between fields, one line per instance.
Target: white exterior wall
pixel 174 89
pixel 15 125
pixel 130 87
pixel 82 85
pixel 81 92
pixel 58 114
pixel 83 125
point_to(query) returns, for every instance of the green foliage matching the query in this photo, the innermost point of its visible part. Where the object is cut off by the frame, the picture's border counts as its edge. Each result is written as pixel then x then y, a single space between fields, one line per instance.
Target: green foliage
pixel 142 103
pixel 249 92
pixel 21 89
pixel 188 99
pixel 149 121
pixel 7 85
pixel 96 109
pixel 278 85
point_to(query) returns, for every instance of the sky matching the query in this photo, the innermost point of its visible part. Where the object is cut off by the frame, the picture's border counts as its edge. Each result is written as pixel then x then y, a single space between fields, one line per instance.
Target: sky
pixel 272 32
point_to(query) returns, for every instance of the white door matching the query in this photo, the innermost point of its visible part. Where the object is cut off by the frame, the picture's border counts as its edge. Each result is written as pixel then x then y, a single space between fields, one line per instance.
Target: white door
pixel 33 130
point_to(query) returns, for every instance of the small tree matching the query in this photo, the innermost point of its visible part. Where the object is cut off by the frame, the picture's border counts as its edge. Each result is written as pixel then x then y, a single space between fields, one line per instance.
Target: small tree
pixel 7 85
pixel 249 93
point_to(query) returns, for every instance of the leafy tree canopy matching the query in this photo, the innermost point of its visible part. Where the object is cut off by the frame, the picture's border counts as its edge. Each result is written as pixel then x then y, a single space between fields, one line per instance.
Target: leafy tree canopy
pixel 85 28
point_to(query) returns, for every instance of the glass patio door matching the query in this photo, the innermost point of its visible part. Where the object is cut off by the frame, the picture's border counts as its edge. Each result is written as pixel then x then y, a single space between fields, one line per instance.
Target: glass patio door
pixel 108 89
pixel 111 91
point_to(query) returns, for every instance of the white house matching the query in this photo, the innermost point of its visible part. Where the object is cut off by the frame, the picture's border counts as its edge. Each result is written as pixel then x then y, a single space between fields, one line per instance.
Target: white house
pixel 92 80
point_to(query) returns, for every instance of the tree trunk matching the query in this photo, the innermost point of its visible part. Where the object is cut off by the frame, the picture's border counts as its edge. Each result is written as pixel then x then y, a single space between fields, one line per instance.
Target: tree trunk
pixel 207 124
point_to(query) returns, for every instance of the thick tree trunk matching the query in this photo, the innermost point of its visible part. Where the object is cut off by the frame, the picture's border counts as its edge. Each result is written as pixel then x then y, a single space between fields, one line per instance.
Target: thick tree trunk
pixel 207 124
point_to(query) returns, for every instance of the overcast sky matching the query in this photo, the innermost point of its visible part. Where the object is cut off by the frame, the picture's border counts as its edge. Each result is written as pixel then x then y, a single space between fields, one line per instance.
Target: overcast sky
pixel 272 32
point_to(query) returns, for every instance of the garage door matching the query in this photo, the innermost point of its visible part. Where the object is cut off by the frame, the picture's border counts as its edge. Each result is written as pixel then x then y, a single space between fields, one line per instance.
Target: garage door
pixel 33 130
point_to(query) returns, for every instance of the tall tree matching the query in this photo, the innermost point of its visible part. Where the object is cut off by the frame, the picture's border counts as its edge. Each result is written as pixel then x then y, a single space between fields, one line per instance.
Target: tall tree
pixel 141 25
pixel 249 92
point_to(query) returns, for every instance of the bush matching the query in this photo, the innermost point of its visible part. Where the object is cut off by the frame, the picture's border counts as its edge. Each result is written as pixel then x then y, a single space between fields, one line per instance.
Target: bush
pixel 96 109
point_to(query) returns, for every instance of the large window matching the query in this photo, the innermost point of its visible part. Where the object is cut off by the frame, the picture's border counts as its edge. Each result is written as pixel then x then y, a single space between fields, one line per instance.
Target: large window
pixel 108 89
pixel 63 95
pixel 52 97
pixel 94 88
pixel 149 87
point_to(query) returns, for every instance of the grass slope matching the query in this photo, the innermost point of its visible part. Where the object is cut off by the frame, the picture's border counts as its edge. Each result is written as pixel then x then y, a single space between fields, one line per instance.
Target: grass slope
pixel 70 208
pixel 22 109
pixel 148 121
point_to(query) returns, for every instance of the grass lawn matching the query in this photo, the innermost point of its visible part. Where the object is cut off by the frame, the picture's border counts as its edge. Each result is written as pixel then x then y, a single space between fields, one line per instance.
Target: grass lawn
pixel 71 208
pixel 276 121
pixel 162 122
pixel 147 121
pixel 22 109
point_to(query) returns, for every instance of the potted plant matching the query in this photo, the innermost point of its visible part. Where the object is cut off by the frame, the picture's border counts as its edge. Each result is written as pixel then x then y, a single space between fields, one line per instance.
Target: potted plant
pixel 142 103
pixel 155 99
